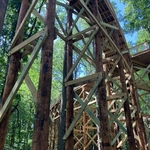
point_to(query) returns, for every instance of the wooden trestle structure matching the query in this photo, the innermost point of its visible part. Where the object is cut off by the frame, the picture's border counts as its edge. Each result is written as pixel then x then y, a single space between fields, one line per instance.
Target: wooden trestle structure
pixel 105 103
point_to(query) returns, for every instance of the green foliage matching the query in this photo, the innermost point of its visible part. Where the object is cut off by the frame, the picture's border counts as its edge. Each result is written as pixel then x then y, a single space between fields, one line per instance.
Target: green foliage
pixel 143 36
pixel 136 15
pixel 21 121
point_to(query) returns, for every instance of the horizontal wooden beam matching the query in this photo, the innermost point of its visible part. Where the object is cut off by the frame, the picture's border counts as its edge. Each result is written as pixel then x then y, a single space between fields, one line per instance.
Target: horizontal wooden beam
pixel 115 96
pixel 22 24
pixel 84 80
pixel 24 43
pixel 81 33
pixel 108 25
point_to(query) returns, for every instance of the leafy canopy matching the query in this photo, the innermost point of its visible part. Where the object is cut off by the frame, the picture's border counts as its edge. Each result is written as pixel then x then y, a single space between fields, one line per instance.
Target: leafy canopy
pixel 136 15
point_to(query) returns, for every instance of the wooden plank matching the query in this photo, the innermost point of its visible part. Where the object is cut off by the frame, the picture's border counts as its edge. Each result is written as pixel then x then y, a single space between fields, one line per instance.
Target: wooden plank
pixel 118 123
pixel 22 24
pixel 77 18
pixel 22 76
pixel 143 83
pixel 108 25
pixel 89 112
pixel 118 109
pixel 30 85
pixel 116 137
pixel 83 40
pixel 24 43
pixel 80 56
pixel 81 33
pixel 86 57
pixel 60 35
pixel 82 108
pixel 138 63
pixel 92 139
pixel 115 96
pixel 84 80
pixel 35 12
pixel 105 33
pixel 60 24
pixel 144 73
pixel 114 66
pixel 64 5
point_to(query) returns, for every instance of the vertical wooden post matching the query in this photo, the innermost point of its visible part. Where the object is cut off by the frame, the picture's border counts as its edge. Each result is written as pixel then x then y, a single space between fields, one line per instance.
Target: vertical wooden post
pixel 69 89
pixel 42 120
pixel 113 126
pixel 12 73
pixel 101 91
pixel 143 144
pixel 127 111
pixel 62 119
pixel 85 137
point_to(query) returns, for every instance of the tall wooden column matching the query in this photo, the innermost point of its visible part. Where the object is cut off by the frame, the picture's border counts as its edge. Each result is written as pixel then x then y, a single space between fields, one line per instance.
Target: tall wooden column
pixel 101 91
pixel 139 120
pixel 69 88
pixel 127 111
pixel 143 144
pixel 42 120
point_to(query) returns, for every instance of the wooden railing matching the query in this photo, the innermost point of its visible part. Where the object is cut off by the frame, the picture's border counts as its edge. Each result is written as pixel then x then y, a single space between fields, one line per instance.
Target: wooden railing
pixel 139 47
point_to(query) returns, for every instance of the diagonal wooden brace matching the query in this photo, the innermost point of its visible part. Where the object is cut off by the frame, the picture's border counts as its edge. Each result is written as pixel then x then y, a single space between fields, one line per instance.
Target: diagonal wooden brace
pixel 83 107
pixel 22 75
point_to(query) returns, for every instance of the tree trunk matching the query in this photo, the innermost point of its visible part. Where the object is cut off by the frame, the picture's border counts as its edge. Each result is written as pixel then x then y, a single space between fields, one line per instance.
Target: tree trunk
pixel 69 89
pixel 3 7
pixel 101 91
pixel 12 75
pixel 42 120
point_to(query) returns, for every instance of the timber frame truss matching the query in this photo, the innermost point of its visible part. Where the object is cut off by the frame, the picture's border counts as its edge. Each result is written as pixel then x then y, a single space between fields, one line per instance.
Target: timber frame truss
pixel 121 85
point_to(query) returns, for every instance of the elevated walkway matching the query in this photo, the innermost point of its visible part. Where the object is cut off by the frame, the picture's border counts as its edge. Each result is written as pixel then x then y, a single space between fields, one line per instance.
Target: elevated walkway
pixel 140 54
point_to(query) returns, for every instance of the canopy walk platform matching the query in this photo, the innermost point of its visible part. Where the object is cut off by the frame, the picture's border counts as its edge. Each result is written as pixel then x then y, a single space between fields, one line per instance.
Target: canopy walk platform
pixel 109 100
pixel 140 55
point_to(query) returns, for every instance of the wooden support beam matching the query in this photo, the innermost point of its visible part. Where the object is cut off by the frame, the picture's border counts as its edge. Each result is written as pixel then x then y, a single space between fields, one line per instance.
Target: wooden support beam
pixel 77 18
pixel 118 123
pixel 108 25
pixel 82 108
pixel 144 73
pixel 116 96
pixel 64 5
pixel 60 24
pixel 22 24
pixel 118 109
pixel 93 117
pixel 22 75
pixel 84 80
pixel 81 33
pixel 86 57
pixel 80 56
pixel 36 14
pixel 30 85
pixel 24 43
pixel 105 33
